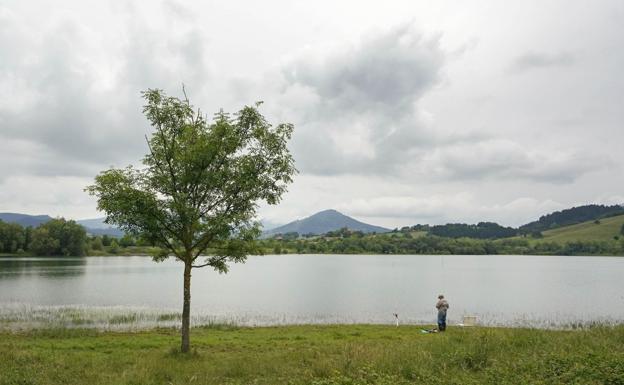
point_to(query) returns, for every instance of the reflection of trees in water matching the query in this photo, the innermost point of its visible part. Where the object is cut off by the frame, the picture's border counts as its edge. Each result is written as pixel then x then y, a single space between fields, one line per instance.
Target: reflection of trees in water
pixel 43 267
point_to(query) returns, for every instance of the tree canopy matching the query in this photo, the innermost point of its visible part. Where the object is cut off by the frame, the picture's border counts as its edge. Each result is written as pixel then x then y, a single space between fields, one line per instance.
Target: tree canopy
pixel 55 237
pixel 200 185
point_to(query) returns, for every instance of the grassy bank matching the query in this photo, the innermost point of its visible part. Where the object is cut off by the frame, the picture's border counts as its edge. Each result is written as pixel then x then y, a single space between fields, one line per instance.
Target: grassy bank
pixel 602 230
pixel 321 355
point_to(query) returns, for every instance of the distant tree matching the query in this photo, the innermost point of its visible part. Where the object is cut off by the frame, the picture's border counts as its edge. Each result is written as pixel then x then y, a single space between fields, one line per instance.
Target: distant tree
pixel 142 241
pixel 106 240
pixel 572 216
pixel 96 243
pixel 114 247
pixel 200 187
pixel 290 235
pixel 420 227
pixel 43 243
pixel 12 237
pixel 59 237
pixel 597 222
pixel 482 230
pixel 127 240
pixel 27 238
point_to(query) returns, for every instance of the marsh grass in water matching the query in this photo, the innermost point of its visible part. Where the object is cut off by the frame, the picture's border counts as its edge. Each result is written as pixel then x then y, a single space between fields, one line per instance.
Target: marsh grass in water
pixel 25 317
pixel 319 355
pixel 16 316
pixel 124 318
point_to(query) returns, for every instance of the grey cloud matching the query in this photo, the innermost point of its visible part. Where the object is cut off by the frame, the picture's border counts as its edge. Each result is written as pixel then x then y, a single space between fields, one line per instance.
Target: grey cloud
pixel 450 207
pixel 364 112
pixel 389 72
pixel 76 97
pixel 536 60
pixel 362 115
pixel 505 159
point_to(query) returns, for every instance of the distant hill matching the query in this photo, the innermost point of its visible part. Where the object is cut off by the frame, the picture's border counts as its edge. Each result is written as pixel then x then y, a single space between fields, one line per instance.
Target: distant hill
pixel 572 216
pixel 605 230
pixel 25 219
pixel 96 226
pixel 269 225
pixel 95 223
pixel 92 226
pixel 110 231
pixel 482 230
pixel 323 222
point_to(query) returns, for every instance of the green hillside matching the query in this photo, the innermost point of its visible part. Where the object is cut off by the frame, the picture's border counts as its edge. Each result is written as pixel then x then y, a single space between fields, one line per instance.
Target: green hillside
pixel 587 231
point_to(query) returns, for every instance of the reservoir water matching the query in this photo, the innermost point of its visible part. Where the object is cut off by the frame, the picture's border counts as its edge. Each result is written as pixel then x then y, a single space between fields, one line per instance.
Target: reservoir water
pixel 109 292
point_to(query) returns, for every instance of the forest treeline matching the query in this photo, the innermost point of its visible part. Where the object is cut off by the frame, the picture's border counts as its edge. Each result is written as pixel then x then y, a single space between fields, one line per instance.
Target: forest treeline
pixel 408 242
pixel 571 217
pixel 55 237
pixel 59 237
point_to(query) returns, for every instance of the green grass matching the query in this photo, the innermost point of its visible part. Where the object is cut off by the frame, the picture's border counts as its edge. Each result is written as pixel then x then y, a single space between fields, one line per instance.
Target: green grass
pixel 587 231
pixel 319 355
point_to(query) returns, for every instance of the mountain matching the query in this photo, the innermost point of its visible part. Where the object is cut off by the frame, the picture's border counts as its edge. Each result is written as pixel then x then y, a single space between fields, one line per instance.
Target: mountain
pixel 572 216
pixel 95 223
pixel 25 219
pixel 269 225
pixel 323 222
pixel 92 226
pixel 110 231
pixel 96 226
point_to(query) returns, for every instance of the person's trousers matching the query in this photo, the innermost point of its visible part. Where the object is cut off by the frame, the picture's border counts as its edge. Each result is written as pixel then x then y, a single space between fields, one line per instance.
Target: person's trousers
pixel 441 321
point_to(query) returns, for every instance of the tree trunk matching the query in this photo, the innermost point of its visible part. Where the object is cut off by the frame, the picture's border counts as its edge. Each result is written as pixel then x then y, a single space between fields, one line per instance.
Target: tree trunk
pixel 186 309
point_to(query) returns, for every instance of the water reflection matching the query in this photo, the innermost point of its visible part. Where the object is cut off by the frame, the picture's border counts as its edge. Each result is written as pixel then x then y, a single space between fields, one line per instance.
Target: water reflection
pixel 53 267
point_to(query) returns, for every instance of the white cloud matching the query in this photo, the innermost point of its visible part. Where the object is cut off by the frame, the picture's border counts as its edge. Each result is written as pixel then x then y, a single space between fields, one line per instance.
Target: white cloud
pixel 444 208
pixel 413 110
pixel 361 110
pixel 505 159
pixel 536 60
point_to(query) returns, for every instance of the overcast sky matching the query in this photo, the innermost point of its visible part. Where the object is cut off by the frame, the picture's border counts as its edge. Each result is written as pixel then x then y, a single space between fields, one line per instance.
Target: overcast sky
pixel 405 112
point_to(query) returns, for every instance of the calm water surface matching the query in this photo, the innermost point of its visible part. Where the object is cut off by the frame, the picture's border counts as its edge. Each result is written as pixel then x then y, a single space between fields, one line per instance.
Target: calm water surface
pixel 541 291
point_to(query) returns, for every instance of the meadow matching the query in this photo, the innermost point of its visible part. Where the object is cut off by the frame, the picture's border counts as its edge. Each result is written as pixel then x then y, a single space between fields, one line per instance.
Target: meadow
pixel 604 229
pixel 317 355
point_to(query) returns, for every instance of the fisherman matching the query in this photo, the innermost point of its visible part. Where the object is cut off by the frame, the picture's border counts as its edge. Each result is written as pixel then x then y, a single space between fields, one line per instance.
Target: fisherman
pixel 442 307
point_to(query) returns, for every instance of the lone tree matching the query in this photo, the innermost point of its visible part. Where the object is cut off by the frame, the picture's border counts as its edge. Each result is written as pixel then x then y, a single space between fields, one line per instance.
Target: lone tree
pixel 197 194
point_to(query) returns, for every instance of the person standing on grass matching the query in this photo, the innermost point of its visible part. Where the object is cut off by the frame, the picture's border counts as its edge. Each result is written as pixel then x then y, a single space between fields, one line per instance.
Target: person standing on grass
pixel 442 307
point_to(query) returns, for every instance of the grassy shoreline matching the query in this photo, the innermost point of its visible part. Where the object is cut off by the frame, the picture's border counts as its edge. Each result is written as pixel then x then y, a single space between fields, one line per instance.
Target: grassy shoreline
pixel 319 355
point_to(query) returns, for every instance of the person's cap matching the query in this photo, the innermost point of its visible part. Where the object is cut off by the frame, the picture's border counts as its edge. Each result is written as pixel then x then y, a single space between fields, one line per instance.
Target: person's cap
pixel 440 296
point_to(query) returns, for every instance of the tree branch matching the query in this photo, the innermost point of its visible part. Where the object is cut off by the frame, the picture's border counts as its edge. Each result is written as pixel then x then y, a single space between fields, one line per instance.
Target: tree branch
pixel 211 263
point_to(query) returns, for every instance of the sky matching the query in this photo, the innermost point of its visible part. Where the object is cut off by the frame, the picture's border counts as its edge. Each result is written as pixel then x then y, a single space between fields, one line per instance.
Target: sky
pixel 405 112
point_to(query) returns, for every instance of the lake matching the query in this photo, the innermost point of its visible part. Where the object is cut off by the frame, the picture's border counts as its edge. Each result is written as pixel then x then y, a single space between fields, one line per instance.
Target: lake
pixel 135 292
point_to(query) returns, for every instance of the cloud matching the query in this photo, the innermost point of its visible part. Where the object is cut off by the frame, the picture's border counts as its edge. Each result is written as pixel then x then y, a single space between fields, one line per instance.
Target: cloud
pixel 361 106
pixel 536 60
pixel 359 111
pixel 71 97
pixel 506 159
pixel 445 208
pixel 47 195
